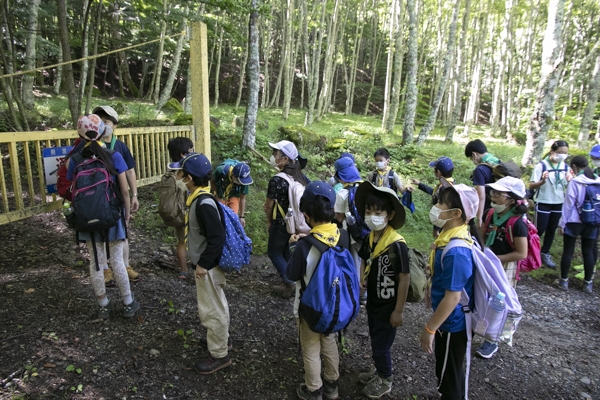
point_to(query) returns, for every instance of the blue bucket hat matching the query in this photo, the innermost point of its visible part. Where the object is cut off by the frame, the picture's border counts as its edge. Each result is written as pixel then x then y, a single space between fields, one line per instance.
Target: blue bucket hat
pixel 346 170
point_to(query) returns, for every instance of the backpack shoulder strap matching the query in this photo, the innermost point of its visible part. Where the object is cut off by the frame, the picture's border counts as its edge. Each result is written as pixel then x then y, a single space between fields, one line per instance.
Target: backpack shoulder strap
pixel 285 176
pixel 488 219
pixel 391 183
pixel 322 247
pixel 509 229
pixel 76 158
pixel 218 205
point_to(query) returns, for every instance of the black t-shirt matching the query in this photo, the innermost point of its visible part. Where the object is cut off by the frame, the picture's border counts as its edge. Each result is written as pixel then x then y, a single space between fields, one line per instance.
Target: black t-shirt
pixel 501 245
pixel 382 282
pixel 483 175
pixel 278 191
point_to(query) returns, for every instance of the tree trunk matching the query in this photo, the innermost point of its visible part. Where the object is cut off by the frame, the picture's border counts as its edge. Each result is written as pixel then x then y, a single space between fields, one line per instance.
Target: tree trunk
pixel 87 6
pixel 249 131
pixel 92 72
pixel 351 81
pixel 408 129
pixel 267 57
pixel 590 107
pixel 242 73
pixel 166 93
pixel 390 63
pixel 187 108
pixel 329 59
pixel 288 60
pixel 397 82
pixel 472 105
pixel 461 67
pixel 374 61
pixel 543 113
pixel 439 95
pixel 59 71
pixel 218 67
pixel 155 90
pixel 313 58
pixel 68 68
pixel 30 54
pixel 7 92
pixel 500 82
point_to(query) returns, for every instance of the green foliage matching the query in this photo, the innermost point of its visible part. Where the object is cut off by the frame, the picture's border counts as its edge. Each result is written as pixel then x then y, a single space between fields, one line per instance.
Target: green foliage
pixel 172 106
pixel 184 119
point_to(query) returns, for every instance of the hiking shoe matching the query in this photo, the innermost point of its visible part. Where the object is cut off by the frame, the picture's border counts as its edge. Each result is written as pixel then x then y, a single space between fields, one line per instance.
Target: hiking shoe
pixel 104 311
pixel 547 260
pixel 212 364
pixel 130 309
pixel 363 300
pixel 378 387
pixel 133 276
pixel 330 390
pixel 487 349
pixel 366 377
pixel 587 286
pixel 289 291
pixel 305 394
pixel 109 279
pixel 563 284
pixel 204 343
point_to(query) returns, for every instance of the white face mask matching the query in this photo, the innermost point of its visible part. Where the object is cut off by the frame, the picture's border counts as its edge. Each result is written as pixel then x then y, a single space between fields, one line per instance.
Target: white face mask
pixel 596 163
pixel 273 162
pixel 108 130
pixel 434 216
pixel 499 208
pixel 560 157
pixel 380 165
pixel 181 185
pixel 376 222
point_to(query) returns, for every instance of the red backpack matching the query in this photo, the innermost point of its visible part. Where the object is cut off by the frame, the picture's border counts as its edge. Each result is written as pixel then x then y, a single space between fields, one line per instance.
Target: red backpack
pixel 533 259
pixel 63 185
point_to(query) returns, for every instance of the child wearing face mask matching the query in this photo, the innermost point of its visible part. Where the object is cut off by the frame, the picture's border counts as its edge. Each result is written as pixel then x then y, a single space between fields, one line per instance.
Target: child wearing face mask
pixel 180 147
pixel 454 213
pixel 231 181
pixel 572 226
pixel 549 180
pixel 508 203
pixel 385 275
pixel 384 176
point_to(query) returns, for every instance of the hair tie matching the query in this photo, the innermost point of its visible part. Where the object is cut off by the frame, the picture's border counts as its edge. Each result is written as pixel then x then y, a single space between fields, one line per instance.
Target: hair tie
pixel 522 202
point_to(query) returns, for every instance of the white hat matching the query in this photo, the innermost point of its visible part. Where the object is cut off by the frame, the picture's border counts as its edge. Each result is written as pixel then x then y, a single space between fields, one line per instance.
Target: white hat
pixel 108 110
pixel 509 184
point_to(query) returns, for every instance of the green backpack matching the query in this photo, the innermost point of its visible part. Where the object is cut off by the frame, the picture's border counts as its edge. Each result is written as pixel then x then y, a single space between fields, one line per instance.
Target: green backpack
pixel 418 278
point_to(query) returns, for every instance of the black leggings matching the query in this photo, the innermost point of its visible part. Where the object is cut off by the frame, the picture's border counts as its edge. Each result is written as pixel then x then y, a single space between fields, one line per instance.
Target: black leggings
pixel 587 248
pixel 547 218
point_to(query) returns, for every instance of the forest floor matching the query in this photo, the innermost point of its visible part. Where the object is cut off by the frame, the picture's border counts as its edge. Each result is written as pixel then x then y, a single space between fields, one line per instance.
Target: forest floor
pixel 52 345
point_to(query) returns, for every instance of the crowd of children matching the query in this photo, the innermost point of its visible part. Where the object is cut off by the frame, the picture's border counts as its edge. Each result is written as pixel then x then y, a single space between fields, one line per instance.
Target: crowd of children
pixel 363 217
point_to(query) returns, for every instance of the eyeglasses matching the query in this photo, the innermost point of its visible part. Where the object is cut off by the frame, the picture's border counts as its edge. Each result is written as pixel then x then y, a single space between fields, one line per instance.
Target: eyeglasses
pixel 495 193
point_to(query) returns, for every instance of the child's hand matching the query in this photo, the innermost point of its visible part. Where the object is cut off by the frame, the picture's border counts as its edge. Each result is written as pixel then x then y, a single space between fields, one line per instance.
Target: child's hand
pixel 415 181
pixel 426 341
pixel 396 318
pixel 200 272
pixel 294 238
pixel 363 288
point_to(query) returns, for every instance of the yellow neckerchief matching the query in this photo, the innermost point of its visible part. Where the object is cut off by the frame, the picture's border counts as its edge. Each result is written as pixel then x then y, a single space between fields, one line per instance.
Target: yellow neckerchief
pixel 197 192
pixel 349 184
pixel 229 187
pixel 439 185
pixel 326 233
pixel 387 238
pixel 461 232
pixel 381 176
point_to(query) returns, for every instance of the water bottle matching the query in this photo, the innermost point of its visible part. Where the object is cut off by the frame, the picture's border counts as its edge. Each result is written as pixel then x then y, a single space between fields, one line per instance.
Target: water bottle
pixel 67 209
pixel 497 303
pixel 350 220
pixel 290 213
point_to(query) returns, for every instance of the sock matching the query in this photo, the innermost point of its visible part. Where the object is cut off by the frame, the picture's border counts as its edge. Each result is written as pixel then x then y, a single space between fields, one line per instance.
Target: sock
pixel 127 300
pixel 103 302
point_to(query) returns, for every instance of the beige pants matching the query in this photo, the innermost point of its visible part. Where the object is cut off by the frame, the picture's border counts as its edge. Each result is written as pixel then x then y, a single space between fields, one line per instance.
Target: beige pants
pixel 313 345
pixel 214 311
pixel 511 272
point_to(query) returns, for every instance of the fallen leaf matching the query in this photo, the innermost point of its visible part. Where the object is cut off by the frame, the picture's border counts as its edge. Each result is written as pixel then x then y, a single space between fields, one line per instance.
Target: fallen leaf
pixel 49 365
pixel 30 290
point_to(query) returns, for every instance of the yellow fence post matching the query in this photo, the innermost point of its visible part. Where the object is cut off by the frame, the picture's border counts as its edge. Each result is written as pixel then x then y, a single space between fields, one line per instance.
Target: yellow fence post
pixel 199 76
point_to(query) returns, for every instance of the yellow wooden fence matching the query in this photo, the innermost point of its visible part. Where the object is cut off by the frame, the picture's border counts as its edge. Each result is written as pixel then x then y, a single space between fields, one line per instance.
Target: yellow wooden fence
pixel 23 185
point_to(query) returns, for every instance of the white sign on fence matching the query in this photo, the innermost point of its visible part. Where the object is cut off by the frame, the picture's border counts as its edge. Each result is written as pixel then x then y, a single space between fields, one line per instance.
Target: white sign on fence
pixel 52 158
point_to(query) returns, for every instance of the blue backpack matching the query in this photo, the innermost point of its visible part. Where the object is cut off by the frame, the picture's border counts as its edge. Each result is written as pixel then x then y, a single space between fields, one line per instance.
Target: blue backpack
pixel 590 211
pixel 238 247
pixel 359 230
pixel 330 301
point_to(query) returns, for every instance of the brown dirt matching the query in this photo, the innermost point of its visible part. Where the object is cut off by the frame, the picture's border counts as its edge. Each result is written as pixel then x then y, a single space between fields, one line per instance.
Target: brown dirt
pixel 48 324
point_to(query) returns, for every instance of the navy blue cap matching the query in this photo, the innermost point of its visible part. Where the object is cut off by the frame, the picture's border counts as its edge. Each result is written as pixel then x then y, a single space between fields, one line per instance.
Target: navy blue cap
pixel 319 188
pixel 196 164
pixel 346 170
pixel 442 164
pixel 242 172
pixel 595 152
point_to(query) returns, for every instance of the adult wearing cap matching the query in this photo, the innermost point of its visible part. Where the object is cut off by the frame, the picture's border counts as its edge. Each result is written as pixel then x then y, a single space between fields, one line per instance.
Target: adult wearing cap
pixel 205 237
pixel 317 204
pixel 454 212
pixel 285 158
pixel 443 167
pixel 385 275
pixel 548 182
pixel 232 180
pixel 111 119
pixel 91 128
pixel 347 174
pixel 572 226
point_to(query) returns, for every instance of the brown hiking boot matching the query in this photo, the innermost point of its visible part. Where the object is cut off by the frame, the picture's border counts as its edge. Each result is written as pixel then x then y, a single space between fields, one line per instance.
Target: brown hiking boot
pixel 109 279
pixel 133 276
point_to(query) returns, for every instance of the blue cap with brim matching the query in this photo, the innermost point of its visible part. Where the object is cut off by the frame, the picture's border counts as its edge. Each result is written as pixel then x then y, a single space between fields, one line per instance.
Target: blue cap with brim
pixel 196 164
pixel 242 172
pixel 319 188
pixel 442 164
pixel 595 152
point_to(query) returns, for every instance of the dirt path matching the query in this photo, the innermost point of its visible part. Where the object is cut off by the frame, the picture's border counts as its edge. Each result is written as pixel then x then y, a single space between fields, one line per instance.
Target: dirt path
pixel 51 346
